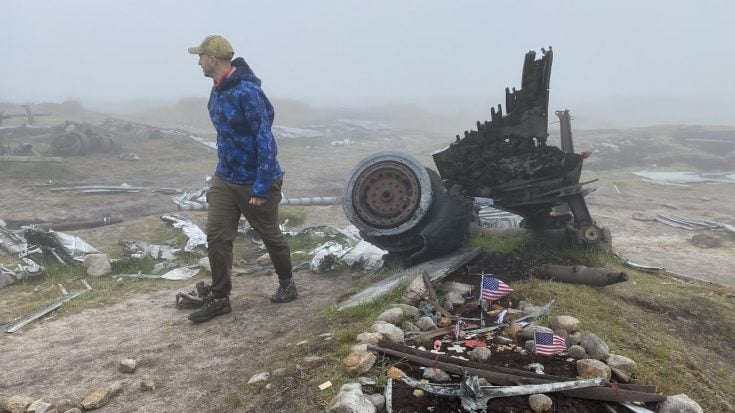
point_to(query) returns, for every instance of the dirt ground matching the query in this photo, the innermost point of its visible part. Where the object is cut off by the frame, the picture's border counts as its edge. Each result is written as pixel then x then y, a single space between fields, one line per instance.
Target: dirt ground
pixel 197 366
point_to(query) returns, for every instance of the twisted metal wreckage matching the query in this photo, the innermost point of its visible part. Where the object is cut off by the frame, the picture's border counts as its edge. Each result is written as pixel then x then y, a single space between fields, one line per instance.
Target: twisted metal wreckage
pixel 415 213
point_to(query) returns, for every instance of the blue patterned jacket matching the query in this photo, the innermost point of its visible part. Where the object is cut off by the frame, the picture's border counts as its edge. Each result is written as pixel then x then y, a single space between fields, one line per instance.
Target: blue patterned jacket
pixel 243 116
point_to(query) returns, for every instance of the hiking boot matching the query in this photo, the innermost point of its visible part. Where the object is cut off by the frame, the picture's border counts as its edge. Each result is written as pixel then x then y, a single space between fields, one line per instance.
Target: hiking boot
pixel 212 306
pixel 286 292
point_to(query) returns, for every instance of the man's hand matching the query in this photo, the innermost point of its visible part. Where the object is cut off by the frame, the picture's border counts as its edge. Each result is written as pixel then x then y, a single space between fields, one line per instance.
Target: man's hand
pixel 255 201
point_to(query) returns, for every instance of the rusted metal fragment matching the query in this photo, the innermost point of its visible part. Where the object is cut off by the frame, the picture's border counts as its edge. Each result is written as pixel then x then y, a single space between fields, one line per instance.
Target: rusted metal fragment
pixel 507 159
pixel 602 393
pixel 579 274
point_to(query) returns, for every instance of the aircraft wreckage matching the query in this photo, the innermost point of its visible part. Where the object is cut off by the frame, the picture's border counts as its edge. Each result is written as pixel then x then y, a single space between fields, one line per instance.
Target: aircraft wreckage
pixel 416 213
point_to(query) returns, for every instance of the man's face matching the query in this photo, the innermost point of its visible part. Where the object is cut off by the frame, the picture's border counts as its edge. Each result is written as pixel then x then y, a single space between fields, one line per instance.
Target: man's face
pixel 207 63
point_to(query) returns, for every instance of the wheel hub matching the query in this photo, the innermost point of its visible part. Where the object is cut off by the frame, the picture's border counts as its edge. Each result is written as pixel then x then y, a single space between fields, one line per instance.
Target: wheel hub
pixel 386 194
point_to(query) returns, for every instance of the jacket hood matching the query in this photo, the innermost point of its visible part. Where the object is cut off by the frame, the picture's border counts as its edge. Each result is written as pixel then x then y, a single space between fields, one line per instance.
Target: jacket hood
pixel 242 73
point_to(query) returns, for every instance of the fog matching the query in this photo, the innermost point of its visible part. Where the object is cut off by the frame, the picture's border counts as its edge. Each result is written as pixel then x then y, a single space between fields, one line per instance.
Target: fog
pixel 621 63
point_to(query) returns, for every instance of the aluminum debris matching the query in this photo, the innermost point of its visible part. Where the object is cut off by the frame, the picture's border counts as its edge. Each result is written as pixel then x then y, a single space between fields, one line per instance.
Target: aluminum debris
pixel 437 269
pixel 688 177
pixel 197 237
pixel 686 223
pixel 475 397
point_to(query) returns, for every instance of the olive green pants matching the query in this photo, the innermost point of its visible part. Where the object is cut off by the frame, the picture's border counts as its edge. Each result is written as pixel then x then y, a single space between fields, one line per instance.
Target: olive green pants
pixel 226 203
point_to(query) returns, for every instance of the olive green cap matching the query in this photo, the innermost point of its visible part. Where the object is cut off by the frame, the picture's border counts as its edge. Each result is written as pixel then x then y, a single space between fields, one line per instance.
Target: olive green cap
pixel 214 45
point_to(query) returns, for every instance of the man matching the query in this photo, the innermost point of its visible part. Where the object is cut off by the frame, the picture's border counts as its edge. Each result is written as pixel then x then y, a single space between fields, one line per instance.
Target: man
pixel 247 179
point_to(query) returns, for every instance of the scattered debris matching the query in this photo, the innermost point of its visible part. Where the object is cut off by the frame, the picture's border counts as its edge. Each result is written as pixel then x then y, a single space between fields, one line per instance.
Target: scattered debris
pixel 129 156
pixel 437 269
pixel 73 139
pixel 579 274
pixel 28 158
pixel 687 177
pixel 197 237
pixel 40 313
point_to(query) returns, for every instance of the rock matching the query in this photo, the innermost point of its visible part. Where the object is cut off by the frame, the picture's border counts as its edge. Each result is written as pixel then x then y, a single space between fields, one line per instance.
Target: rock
pixel 594 346
pixel 480 354
pixel 366 381
pixel 409 326
pixel 278 372
pixel 530 346
pixel 540 403
pixel 527 332
pixel 74 410
pixel 565 322
pixel 448 306
pixel 264 260
pixel 369 338
pixel 706 241
pixel 452 286
pixel 389 331
pixel 312 359
pixel 621 363
pixel 425 324
pixel 592 369
pixel 147 384
pixel 358 348
pixel 39 406
pixel 444 322
pixel 97 265
pixel 256 378
pixel 359 362
pixel 680 403
pixel 15 404
pixel 65 404
pixel 204 263
pixel 413 293
pixel 395 373
pixel 351 400
pixel 437 375
pixel 502 340
pixel 6 279
pixel 483 382
pixel 128 365
pixel 408 310
pixel 455 298
pixel 100 397
pixel 577 352
pixel 574 338
pixel 418 393
pixel 391 315
pixel 378 400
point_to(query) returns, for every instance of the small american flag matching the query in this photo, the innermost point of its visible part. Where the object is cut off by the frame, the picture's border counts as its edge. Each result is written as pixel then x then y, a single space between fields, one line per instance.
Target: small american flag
pixel 492 289
pixel 549 344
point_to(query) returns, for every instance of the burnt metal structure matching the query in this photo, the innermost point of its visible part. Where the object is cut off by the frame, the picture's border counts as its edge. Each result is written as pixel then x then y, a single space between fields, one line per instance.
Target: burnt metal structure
pixel 407 209
pixel 403 207
pixel 507 159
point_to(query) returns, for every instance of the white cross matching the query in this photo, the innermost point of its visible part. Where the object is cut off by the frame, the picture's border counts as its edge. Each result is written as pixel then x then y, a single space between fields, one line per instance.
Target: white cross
pixel 457 348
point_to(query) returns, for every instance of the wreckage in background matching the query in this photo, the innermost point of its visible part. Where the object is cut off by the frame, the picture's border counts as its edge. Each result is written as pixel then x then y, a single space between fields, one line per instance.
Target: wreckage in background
pixel 412 211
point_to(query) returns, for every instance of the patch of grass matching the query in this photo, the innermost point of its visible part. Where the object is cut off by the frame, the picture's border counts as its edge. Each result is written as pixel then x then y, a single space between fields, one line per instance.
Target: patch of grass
pixel 295 216
pixel 501 242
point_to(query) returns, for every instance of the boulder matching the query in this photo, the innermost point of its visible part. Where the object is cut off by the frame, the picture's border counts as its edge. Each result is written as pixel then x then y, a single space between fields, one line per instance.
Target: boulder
pixel 593 369
pixel 369 338
pixel 391 315
pixel 565 322
pixel 389 331
pixel 358 363
pixel 680 403
pixel 97 265
pixel 540 403
pixel 101 396
pixel 408 310
pixel 594 346
pixel 480 354
pixel 350 399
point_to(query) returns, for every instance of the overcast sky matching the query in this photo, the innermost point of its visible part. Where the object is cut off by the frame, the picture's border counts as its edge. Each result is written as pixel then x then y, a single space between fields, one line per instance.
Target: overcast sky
pixel 652 61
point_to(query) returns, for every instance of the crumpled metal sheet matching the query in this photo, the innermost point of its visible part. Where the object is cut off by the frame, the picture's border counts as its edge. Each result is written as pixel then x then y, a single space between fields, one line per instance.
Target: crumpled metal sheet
pixel 181 273
pixel 197 237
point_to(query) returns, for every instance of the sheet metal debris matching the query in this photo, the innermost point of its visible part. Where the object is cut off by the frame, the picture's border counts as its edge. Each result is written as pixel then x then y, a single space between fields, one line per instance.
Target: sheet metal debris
pixel 686 223
pixel 688 177
pixel 474 397
pixel 40 313
pixel 437 269
pixel 197 237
